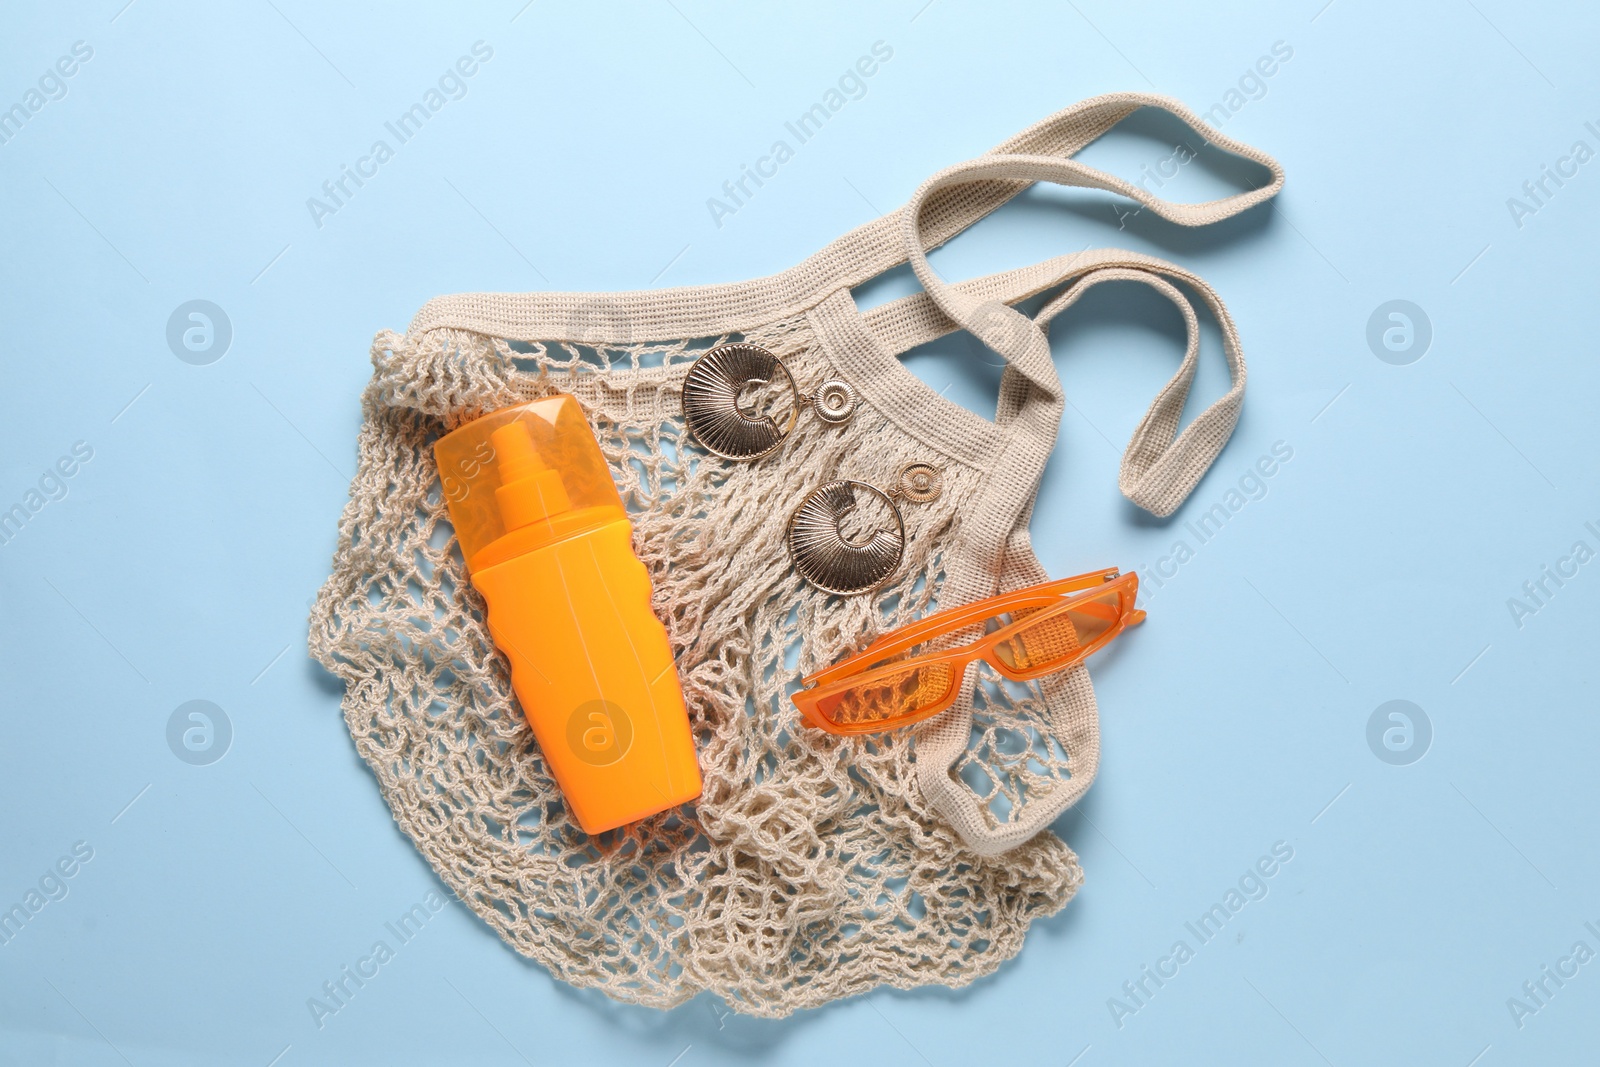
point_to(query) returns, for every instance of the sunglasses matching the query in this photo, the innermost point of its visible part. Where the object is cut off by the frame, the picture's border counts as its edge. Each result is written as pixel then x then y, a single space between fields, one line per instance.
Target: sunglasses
pixel 1028 634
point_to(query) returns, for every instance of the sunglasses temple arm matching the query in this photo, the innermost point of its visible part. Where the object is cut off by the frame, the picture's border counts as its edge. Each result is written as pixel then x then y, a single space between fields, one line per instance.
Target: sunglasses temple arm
pixel 957 617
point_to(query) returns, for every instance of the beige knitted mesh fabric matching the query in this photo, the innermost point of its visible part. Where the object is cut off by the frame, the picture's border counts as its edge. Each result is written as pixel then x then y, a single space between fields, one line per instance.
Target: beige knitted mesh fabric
pixel 812 866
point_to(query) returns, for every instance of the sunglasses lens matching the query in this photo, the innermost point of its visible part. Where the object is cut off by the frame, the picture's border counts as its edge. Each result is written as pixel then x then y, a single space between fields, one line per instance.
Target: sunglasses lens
pixel 884 701
pixel 1061 635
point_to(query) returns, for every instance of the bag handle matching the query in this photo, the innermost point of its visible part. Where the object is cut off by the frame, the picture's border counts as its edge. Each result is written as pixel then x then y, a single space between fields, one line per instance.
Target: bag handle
pixel 949 210
pixel 1160 466
pixel 856 257
pixel 1157 473
pixel 1010 333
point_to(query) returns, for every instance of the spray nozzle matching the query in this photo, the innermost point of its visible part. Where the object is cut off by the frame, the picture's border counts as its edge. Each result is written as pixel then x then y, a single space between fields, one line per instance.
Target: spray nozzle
pixel 529 491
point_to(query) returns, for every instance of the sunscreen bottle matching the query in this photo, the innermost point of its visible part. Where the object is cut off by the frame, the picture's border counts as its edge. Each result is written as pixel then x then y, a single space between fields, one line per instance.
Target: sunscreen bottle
pixel 548 544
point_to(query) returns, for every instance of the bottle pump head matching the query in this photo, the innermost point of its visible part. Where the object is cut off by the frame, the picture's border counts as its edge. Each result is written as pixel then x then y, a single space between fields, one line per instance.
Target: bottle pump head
pixel 529 491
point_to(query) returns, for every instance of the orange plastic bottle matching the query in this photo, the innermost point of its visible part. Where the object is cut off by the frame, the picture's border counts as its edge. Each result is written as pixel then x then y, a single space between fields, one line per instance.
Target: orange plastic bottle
pixel 548 544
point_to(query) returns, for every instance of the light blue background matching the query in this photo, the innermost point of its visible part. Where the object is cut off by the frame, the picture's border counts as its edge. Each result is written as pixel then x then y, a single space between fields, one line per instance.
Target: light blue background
pixel 1419 498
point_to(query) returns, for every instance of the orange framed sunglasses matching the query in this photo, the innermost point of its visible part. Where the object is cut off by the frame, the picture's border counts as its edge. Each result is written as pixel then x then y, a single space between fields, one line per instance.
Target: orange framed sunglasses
pixel 1029 633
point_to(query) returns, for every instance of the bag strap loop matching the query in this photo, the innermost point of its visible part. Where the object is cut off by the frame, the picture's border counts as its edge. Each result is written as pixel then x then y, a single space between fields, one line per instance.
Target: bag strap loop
pixel 1005 330
pixel 858 256
pixel 1160 466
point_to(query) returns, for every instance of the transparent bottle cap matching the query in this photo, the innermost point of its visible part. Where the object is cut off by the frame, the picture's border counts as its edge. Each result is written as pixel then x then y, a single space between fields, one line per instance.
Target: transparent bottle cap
pixel 519 467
